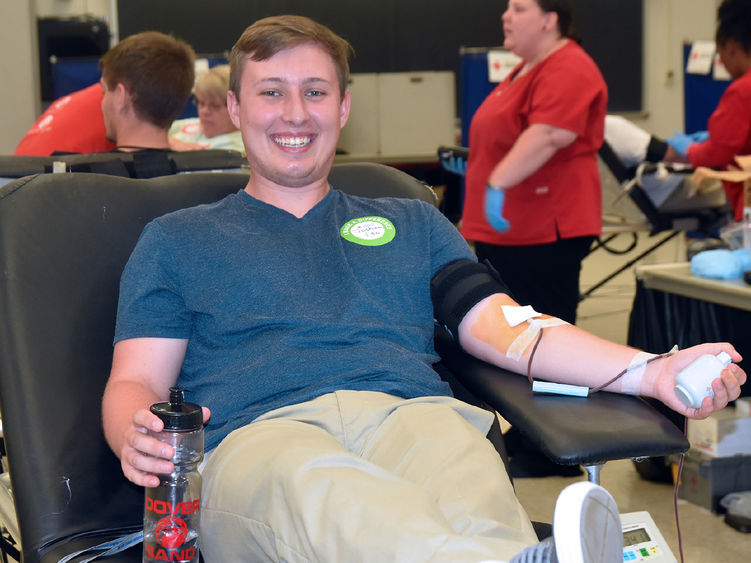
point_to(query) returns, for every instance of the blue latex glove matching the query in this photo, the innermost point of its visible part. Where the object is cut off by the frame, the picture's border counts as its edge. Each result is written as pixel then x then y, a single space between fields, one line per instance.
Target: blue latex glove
pixel 494 201
pixel 699 136
pixel 680 143
pixel 455 164
pixel 721 263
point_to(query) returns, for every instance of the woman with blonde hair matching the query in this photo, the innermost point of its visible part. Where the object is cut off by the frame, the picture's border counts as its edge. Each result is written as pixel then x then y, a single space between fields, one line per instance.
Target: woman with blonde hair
pixel 213 128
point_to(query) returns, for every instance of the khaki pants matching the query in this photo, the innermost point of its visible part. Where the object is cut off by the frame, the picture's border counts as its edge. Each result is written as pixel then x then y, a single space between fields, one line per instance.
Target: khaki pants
pixel 358 476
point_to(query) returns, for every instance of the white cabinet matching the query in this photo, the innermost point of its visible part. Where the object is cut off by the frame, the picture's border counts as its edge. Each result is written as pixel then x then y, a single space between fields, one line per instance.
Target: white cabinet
pixel 400 114
pixel 360 135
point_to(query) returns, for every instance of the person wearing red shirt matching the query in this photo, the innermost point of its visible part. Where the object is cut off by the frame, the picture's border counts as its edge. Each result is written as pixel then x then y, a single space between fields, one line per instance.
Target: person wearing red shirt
pixel 146 81
pixel 534 141
pixel 72 124
pixel 729 126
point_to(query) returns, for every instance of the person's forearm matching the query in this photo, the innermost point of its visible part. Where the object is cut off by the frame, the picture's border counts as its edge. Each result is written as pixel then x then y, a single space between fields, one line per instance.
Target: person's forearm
pixel 143 370
pixel 121 400
pixel 532 150
pixel 566 354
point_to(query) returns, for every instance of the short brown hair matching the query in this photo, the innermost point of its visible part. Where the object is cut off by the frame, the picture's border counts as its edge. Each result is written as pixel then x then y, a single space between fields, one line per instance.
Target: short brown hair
pixel 157 69
pixel 266 37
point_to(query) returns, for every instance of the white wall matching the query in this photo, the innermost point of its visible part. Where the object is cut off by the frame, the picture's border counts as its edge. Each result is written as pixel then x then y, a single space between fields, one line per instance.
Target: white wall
pixel 19 95
pixel 20 82
pixel 667 23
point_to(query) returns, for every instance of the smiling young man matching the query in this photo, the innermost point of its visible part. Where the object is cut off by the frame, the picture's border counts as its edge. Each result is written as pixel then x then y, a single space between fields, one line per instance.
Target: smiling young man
pixel 303 319
pixel 292 122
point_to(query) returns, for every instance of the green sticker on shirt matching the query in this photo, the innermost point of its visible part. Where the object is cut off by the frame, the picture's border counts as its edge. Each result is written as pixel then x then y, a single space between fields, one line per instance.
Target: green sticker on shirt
pixel 368 231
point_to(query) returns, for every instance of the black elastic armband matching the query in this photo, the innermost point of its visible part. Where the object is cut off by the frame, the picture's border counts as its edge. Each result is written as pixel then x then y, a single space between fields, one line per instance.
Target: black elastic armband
pixel 458 287
pixel 656 150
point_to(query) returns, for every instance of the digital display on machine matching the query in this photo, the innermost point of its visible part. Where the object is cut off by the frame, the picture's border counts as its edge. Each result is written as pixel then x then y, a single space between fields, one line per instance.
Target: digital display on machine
pixel 633 537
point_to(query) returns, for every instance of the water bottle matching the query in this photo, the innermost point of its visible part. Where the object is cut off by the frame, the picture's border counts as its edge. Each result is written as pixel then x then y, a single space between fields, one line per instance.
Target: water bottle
pixel 694 383
pixel 172 510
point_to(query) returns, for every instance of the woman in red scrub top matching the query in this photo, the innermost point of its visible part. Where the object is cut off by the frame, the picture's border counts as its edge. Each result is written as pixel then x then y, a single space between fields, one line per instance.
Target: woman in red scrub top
pixel 729 126
pixel 533 161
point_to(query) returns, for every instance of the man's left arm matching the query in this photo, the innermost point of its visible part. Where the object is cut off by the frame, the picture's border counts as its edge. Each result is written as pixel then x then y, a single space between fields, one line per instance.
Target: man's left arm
pixel 568 354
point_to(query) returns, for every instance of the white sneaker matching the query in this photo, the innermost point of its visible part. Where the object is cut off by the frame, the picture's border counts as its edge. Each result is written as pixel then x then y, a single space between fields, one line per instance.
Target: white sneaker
pixel 586 529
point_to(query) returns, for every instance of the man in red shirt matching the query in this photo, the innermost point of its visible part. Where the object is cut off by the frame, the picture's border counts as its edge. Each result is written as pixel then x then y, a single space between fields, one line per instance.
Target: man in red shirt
pixel 146 81
pixel 73 123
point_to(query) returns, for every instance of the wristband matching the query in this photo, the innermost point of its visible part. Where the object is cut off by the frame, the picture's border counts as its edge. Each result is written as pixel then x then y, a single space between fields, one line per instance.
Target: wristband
pixel 631 380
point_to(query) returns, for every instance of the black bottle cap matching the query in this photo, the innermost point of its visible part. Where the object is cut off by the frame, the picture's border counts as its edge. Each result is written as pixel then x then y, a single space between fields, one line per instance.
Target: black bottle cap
pixel 178 415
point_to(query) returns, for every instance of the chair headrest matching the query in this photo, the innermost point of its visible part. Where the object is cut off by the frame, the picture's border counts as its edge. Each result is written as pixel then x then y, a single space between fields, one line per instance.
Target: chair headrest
pixel 139 164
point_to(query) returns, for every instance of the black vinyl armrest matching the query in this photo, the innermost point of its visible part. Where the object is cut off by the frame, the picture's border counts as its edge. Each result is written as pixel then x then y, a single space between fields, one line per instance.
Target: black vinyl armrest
pixel 569 430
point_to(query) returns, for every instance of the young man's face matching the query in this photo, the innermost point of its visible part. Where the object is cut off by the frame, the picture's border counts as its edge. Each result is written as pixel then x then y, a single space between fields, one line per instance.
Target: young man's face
pixel 290 113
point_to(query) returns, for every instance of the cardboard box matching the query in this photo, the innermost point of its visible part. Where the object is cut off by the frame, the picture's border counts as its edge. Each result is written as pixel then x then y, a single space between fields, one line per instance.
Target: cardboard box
pixel 705 480
pixel 722 434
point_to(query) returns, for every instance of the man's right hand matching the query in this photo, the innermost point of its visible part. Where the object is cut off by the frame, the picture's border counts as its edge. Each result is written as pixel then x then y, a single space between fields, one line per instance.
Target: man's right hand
pixel 144 457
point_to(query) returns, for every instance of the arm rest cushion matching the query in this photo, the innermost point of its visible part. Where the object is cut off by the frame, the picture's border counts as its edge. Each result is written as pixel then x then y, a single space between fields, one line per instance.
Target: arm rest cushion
pixel 569 430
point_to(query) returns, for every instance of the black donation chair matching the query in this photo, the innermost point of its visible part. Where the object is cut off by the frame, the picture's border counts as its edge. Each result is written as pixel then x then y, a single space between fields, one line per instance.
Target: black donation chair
pixel 64 239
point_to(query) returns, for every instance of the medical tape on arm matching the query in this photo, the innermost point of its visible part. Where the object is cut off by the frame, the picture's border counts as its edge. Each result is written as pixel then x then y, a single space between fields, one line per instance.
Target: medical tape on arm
pixel 631 380
pixel 522 342
pixel 632 376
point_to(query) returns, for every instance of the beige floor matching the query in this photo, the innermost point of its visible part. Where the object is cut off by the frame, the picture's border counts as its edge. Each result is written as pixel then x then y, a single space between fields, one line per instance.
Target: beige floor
pixel 706 538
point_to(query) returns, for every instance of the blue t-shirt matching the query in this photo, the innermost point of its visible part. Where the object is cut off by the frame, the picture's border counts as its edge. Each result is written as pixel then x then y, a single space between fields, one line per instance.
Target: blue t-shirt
pixel 280 310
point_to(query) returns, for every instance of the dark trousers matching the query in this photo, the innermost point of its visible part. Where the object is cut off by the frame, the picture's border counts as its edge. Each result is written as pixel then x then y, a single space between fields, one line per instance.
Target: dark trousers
pixel 545 276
